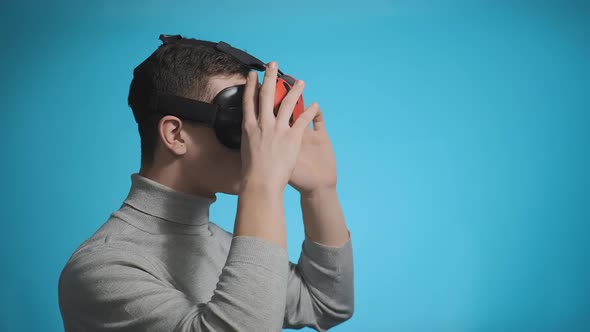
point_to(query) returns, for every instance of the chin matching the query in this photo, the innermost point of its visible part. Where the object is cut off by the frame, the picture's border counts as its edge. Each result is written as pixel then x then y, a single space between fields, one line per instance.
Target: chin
pixel 231 189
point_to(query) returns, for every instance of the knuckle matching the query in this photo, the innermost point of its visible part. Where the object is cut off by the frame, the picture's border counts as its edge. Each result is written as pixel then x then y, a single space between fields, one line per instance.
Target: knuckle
pixel 266 93
pixel 249 125
pixel 295 92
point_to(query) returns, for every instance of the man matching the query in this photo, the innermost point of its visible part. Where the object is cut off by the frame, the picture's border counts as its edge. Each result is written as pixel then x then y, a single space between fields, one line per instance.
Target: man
pixel 160 264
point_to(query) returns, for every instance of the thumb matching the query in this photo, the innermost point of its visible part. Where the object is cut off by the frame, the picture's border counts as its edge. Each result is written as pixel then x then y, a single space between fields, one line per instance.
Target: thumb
pixel 318 121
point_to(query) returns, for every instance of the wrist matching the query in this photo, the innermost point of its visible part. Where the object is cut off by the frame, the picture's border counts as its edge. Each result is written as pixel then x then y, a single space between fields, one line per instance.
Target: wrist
pixel 318 193
pixel 260 185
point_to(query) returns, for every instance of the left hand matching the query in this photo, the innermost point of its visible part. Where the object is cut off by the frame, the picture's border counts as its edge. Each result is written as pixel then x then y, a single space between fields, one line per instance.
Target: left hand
pixel 315 168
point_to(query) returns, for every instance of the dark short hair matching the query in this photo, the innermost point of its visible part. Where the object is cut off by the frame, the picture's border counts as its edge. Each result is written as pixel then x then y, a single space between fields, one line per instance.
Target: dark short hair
pixel 182 70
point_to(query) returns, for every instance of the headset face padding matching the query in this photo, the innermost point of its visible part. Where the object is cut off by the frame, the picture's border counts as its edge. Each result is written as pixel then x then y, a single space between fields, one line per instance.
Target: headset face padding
pixel 228 122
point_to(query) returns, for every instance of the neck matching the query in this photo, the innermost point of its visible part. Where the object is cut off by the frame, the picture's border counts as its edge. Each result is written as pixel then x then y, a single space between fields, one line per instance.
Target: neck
pixel 154 205
pixel 171 176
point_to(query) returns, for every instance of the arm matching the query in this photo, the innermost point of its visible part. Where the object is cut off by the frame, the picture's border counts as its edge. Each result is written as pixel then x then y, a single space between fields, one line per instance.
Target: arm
pixel 320 291
pixel 323 218
pixel 261 212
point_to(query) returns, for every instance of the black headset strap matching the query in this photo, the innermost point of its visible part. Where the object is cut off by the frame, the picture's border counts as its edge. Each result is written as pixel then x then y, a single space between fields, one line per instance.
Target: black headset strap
pixel 185 108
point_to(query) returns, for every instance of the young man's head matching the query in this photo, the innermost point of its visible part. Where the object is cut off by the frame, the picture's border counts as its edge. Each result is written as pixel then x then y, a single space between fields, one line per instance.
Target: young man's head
pixel 178 153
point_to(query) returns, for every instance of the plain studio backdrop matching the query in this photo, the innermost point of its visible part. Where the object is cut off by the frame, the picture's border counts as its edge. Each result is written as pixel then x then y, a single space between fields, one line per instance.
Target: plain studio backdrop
pixel 461 131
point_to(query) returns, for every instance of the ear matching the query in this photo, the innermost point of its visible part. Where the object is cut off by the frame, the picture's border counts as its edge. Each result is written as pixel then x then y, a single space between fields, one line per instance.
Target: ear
pixel 172 135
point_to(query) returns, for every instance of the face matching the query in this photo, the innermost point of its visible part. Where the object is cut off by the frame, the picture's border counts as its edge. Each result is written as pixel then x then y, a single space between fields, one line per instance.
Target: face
pixel 207 164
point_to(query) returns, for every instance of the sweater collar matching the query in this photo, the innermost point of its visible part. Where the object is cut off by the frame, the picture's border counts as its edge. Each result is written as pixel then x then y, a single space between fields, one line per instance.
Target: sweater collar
pixel 158 200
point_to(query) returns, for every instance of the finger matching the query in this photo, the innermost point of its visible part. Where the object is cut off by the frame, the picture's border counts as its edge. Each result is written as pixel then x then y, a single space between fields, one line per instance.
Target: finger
pixel 288 103
pixel 249 99
pixel 318 121
pixel 267 93
pixel 256 98
pixel 306 117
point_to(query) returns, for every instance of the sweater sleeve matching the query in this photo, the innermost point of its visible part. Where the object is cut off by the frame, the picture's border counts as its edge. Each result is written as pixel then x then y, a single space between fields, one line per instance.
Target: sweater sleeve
pixel 110 289
pixel 320 289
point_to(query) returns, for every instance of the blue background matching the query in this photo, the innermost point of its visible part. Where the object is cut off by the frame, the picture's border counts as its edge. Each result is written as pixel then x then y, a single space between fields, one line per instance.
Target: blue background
pixel 461 132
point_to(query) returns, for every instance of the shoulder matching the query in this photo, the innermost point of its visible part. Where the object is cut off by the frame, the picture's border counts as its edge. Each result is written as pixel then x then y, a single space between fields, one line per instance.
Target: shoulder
pixel 100 273
pixel 106 255
pixel 101 261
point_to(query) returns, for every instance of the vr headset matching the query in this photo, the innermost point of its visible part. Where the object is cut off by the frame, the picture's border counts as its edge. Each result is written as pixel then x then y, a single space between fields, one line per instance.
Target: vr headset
pixel 224 113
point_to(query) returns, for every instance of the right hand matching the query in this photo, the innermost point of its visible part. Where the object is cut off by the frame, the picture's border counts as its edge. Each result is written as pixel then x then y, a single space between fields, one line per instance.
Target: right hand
pixel 270 147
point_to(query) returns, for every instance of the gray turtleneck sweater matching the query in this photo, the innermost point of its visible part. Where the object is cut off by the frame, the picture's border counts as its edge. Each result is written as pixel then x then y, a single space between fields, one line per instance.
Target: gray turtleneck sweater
pixel 159 264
